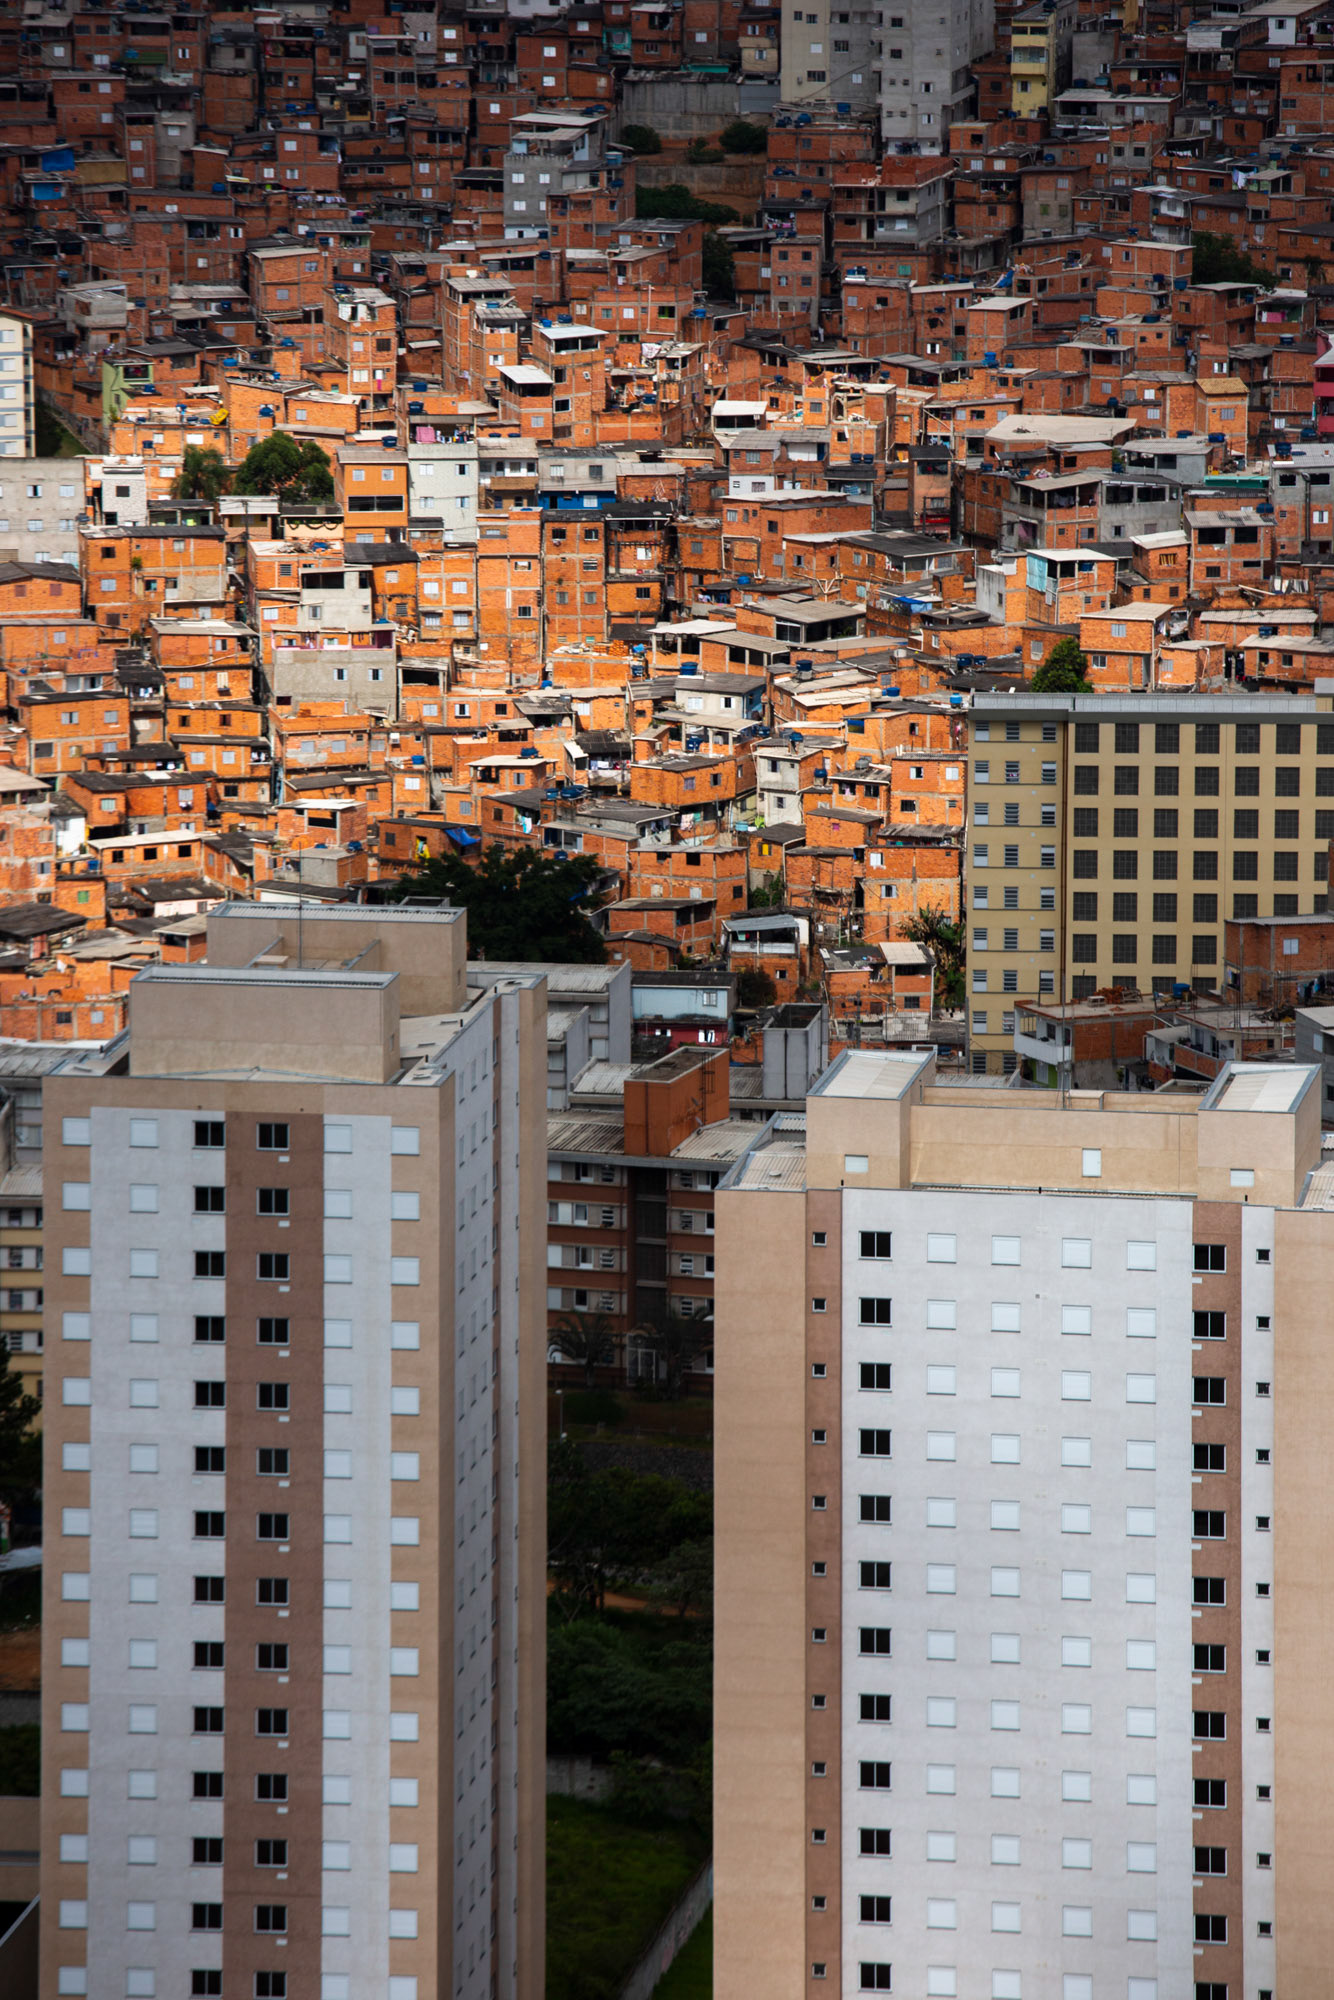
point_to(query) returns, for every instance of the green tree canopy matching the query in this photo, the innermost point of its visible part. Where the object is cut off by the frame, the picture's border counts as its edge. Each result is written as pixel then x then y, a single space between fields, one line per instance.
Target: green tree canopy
pixel 203 474
pixel 278 464
pixel 1218 261
pixel 641 138
pixel 719 266
pixel 744 136
pixel 20 1446
pixel 677 202
pixel 527 905
pixel 1064 671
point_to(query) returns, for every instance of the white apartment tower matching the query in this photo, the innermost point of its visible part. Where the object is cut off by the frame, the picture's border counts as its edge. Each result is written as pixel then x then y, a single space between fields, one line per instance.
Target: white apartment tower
pixel 1023 1420
pixel 293 1626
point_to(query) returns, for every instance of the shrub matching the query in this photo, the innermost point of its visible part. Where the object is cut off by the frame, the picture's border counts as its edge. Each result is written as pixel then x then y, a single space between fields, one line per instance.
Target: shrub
pixel 742 136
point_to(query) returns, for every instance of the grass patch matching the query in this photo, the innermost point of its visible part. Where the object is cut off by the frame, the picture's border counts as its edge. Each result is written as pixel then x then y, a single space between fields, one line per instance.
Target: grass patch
pixel 52 439
pixel 21 1761
pixel 690 1974
pixel 610 1883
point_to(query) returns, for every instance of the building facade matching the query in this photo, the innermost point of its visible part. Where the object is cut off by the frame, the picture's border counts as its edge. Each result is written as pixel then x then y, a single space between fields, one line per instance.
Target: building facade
pixel 18 402
pixel 1017 1686
pixel 293 1632
pixel 1111 837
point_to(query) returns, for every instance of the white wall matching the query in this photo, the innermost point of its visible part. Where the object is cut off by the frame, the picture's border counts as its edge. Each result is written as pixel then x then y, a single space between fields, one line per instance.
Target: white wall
pixel 1071 1386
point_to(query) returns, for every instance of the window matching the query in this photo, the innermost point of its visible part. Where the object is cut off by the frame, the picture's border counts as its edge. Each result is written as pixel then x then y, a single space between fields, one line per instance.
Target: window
pixel 875 1444
pixel 1211 1861
pixel 273 1264
pixel 210 1263
pixel 271 1787
pixel 1209 1660
pixel 271 1590
pixel 273 1201
pixel 270 1722
pixel 208 1722
pixel 272 1462
pixel 875 1312
pixel 875 1375
pixel 210 1525
pixel 875 1243
pixel 1210 1457
pixel 274 1332
pixel 1210 1325
pixel 210 1458
pixel 210 1328
pixel 874 1576
pixel 1207 1389
pixel 208 1654
pixel 271 1917
pixel 272 1527
pixel 1210 1256
pixel 272 1395
pixel 1209 1524
pixel 272 1138
pixel 209 1134
pixel 874 1777
pixel 271 1659
pixel 206 1785
pixel 210 1200
pixel 874 1507
pixel 210 1590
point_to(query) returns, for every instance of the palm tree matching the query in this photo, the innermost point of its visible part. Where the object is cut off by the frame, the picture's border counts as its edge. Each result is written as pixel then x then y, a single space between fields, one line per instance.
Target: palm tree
pixel 933 930
pixel 588 1340
pixel 675 1340
pixel 203 474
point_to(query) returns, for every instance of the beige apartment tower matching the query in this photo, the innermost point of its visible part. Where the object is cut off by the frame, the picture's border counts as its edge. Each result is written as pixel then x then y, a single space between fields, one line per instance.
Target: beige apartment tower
pixel 1024 1416
pixel 1111 836
pixel 294 1615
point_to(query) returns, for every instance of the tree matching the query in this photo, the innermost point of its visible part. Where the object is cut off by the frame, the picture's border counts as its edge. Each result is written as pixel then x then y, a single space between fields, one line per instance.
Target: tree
pixel 641 139
pixel 933 930
pixel 203 474
pixel 700 153
pixel 755 988
pixel 1218 261
pixel 719 266
pixel 586 1339
pixel 675 201
pixel 743 136
pixel 279 465
pixel 20 1446
pixel 675 1341
pixel 1064 671
pixel 528 905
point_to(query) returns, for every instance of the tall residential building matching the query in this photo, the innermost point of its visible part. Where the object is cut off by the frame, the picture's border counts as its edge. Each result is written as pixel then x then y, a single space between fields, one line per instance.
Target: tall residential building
pixel 927 53
pixel 294 1615
pixel 831 54
pixel 1023 1418
pixel 1111 836
pixel 18 399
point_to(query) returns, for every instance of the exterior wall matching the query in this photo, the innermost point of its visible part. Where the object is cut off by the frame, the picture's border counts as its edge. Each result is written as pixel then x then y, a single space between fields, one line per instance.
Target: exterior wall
pixel 760 1664
pixel 1077 1785
pixel 1022 1620
pixel 1170 838
pixel 413 1713
pixel 40 525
